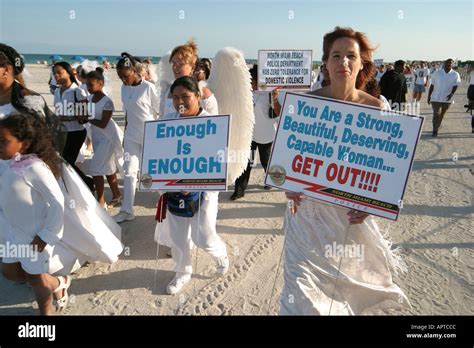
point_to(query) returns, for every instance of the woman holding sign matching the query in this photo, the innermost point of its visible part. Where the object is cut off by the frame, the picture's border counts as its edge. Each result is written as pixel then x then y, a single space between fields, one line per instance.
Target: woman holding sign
pixel 315 280
pixel 189 218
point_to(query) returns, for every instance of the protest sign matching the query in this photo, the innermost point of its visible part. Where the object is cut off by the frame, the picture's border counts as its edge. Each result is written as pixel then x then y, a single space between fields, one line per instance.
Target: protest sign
pixel 353 155
pixel 288 69
pixel 378 62
pixel 185 154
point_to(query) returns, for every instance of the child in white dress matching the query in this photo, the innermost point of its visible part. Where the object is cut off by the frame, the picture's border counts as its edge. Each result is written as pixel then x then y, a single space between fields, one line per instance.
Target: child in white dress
pixel 36 216
pixel 106 139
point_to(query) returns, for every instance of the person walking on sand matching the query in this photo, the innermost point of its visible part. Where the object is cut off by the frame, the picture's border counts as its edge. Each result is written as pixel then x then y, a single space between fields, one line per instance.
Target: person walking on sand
pixel 444 84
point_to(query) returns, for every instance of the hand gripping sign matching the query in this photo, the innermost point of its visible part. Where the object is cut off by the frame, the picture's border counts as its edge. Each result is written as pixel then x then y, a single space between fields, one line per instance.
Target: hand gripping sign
pixel 348 154
pixel 185 154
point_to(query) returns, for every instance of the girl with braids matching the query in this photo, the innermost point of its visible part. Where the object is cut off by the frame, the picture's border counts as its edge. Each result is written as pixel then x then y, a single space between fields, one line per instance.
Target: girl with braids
pixel 36 191
pixel 70 103
pixel 141 104
pixel 314 282
pixel 106 138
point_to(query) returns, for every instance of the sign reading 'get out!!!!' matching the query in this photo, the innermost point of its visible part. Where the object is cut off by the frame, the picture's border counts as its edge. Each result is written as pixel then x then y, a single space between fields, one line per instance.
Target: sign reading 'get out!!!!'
pixel 348 154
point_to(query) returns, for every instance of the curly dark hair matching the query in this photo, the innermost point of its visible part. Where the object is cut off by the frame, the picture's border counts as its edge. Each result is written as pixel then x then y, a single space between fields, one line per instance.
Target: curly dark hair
pixel 32 128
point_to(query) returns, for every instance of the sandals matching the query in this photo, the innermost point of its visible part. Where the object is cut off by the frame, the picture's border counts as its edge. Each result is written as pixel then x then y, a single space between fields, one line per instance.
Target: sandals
pixel 63 285
pixel 114 202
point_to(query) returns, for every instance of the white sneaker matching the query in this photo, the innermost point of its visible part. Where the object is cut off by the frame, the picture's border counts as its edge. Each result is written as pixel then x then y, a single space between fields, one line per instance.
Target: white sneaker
pixel 179 280
pixel 123 216
pixel 222 265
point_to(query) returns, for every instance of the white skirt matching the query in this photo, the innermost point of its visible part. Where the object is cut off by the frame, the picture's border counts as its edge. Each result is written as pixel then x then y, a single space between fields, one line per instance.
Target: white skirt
pixel 108 151
pixel 103 161
pixel 89 233
pixel 314 245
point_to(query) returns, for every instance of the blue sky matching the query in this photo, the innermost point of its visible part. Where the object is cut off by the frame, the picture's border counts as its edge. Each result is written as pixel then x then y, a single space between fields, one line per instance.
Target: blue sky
pixel 432 30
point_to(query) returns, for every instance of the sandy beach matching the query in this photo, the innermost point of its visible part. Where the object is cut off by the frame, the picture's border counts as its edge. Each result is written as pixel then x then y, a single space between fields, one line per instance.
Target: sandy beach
pixel 435 231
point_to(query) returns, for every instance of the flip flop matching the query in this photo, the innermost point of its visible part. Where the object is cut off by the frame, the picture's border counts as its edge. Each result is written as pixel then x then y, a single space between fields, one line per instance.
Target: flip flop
pixel 63 285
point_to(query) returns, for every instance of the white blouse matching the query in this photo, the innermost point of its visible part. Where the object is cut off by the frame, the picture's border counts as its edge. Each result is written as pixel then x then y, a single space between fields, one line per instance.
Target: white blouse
pixel 141 104
pixel 63 104
pixel 31 202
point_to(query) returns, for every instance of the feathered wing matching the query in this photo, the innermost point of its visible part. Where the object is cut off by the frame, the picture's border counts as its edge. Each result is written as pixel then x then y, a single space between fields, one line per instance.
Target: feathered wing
pixel 165 78
pixel 230 82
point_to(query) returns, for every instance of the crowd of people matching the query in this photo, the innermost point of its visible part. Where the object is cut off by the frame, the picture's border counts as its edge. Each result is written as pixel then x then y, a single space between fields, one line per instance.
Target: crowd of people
pixel 39 171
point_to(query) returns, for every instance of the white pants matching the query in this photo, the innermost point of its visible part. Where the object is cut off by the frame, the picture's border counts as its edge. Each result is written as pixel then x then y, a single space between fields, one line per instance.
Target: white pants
pixel 131 167
pixel 200 230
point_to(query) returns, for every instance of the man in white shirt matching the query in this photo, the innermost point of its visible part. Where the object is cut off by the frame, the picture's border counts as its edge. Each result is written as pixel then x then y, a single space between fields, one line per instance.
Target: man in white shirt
pixel 421 81
pixel 380 72
pixel 444 84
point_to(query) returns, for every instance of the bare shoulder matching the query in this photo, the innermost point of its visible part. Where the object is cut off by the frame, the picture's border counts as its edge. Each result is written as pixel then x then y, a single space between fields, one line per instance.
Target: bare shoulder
pixel 367 99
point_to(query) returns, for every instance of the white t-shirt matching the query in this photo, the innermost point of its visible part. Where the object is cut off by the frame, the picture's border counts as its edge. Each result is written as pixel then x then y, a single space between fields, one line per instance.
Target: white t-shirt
pixel 140 103
pixel 471 78
pixel 64 105
pixel 105 103
pixel 421 75
pixel 443 84
pixel 6 110
pixel 264 130
pixel 83 86
pixel 379 75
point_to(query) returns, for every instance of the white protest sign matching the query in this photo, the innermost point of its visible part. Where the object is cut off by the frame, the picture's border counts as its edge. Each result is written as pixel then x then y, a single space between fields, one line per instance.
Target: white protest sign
pixel 288 69
pixel 378 62
pixel 348 154
pixel 185 154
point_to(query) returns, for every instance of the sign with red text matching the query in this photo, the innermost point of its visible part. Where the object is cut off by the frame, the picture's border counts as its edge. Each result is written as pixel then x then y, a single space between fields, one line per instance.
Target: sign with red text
pixel 353 155
pixel 288 69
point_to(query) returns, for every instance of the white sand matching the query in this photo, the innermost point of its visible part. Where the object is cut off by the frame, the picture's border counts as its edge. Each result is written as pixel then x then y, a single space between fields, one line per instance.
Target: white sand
pixel 435 229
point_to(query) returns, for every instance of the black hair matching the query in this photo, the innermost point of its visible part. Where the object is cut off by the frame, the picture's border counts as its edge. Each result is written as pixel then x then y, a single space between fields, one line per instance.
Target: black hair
pixel 97 74
pixel 127 61
pixel 188 82
pixel 207 61
pixel 399 63
pixel 254 72
pixel 66 66
pixel 31 127
pixel 81 72
pixel 9 56
pixel 204 65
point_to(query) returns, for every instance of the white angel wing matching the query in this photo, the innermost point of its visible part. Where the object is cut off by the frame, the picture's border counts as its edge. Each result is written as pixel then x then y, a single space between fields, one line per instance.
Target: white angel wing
pixel 231 84
pixel 152 71
pixel 165 78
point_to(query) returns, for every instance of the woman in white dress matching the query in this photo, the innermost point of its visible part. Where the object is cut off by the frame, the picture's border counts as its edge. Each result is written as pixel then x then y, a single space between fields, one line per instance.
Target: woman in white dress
pixel 200 229
pixel 106 138
pixel 316 282
pixel 37 218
